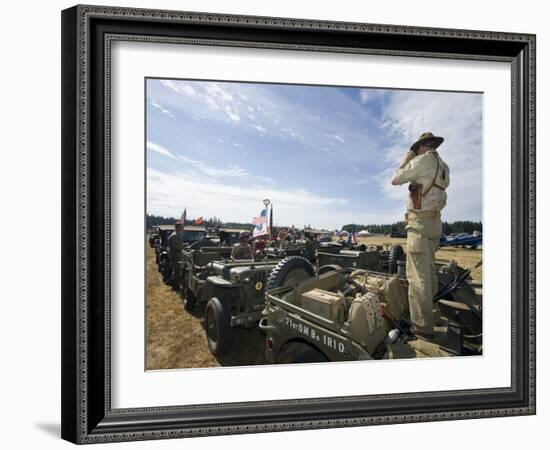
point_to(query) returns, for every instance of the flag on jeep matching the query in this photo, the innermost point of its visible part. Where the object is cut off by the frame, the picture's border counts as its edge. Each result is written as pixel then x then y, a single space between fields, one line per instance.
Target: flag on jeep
pixel 183 217
pixel 261 224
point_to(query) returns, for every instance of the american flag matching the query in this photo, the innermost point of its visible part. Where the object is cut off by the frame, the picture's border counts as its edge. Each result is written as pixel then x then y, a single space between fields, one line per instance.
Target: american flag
pixel 261 224
pixel 262 218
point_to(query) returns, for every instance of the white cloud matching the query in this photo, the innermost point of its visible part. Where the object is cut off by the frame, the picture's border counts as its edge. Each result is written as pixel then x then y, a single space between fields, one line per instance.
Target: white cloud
pixel 180 88
pixel 161 108
pixel 167 193
pixel 160 149
pixel 295 135
pixel 231 170
pixel 336 137
pixel 260 128
pixel 363 96
pixel 265 110
pixel 232 114
pixel 214 172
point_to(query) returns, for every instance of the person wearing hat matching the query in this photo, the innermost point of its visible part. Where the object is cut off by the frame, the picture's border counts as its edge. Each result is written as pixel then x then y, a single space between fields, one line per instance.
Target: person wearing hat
pixel 175 247
pixel 242 250
pixel 428 178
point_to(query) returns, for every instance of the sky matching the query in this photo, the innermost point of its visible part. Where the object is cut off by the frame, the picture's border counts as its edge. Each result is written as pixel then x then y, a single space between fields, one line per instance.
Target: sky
pixel 324 155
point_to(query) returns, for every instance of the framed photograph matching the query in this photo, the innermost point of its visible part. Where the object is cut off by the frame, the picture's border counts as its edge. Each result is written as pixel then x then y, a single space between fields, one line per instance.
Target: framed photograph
pixel 281 224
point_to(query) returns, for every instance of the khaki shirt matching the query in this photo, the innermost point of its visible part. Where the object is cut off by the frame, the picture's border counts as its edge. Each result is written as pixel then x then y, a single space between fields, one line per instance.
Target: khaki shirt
pixel 175 244
pixel 422 170
pixel 242 251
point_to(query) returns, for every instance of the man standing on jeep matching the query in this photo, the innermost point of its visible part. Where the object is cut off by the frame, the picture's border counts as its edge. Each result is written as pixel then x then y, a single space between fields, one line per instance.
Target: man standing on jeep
pixel 310 248
pixel 243 249
pixel 175 246
pixel 428 177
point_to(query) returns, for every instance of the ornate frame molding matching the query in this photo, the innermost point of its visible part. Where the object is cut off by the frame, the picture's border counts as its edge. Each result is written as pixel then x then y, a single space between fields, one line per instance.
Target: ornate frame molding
pixel 84 421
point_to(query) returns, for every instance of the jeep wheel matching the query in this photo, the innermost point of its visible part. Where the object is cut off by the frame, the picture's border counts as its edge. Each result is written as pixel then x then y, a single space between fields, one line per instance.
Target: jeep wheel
pixel 291 270
pixel 396 254
pixel 165 272
pixel 189 297
pixel 298 352
pixel 217 320
pixel 328 268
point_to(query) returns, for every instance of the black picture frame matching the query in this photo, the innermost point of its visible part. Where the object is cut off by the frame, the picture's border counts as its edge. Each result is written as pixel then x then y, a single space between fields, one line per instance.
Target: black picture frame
pixel 87 31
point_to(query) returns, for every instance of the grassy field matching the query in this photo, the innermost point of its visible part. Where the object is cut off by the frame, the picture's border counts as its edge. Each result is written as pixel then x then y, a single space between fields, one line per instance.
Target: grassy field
pixel 177 339
pixel 465 257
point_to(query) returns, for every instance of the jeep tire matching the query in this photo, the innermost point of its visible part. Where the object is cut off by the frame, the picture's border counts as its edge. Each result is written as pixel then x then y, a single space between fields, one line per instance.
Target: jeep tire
pixel 299 352
pixel 290 271
pixel 189 297
pixel 328 268
pixel 217 321
pixel 396 254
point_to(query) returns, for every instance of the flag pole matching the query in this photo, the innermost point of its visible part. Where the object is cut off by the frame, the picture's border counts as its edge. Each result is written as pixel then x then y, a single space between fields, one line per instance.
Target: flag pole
pixel 271 223
pixel 266 203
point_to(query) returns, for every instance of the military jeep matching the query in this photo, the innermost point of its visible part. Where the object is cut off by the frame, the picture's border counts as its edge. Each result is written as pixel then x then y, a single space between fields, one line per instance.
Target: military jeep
pixel 291 249
pixel 195 270
pixel 234 293
pixel 348 315
pixel 161 250
pixel 191 236
pixel 384 258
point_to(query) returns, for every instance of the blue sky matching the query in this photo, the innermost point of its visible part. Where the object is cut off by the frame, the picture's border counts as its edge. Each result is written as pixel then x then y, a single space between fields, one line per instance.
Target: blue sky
pixel 323 155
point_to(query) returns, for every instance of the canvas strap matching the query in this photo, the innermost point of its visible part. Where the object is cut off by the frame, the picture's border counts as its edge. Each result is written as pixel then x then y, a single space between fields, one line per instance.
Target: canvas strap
pixel 434 184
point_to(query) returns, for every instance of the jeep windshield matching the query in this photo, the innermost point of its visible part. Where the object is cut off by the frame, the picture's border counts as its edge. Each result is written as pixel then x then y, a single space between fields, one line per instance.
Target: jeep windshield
pixel 229 238
pixel 192 236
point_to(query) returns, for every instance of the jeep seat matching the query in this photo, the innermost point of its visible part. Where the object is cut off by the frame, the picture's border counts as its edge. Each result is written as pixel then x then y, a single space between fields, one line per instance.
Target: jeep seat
pixel 208 254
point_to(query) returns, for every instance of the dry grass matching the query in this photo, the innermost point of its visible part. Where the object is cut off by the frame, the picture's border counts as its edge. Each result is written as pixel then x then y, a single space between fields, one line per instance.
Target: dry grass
pixel 177 339
pixel 465 257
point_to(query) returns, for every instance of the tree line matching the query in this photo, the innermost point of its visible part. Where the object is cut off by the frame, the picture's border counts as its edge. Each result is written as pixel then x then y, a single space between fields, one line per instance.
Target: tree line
pixel 153 220
pixel 459 226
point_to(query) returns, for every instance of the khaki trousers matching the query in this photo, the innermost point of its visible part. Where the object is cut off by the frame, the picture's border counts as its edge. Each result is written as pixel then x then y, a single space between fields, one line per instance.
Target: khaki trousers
pixel 422 243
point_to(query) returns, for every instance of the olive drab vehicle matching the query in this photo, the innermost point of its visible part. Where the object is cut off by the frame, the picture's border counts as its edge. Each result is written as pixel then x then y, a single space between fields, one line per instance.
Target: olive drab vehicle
pixel 292 249
pixel 196 268
pixel 348 315
pixel 191 235
pixel 234 293
pixel 153 236
pixel 383 258
pixel 217 246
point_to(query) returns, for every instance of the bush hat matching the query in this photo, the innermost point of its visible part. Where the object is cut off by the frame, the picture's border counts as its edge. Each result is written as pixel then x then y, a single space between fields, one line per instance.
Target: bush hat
pixel 428 139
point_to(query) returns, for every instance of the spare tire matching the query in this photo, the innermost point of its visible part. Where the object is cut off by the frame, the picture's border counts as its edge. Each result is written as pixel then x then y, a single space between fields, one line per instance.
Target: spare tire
pixel 189 297
pixel 396 254
pixel 328 268
pixel 217 321
pixel 290 271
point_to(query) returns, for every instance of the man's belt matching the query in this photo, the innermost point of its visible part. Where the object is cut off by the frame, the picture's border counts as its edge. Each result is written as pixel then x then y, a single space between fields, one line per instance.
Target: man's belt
pixel 422 215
